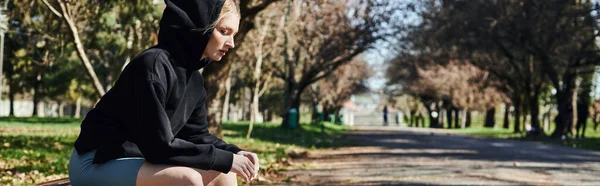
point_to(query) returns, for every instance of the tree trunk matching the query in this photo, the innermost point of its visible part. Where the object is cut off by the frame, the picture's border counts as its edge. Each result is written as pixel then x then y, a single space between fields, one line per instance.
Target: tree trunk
pixel 546 121
pixel 535 112
pixel 64 6
pixel 326 114
pixel 412 118
pixel 457 123
pixel 490 118
pixel 525 100
pixel 596 120
pixel 420 120
pixel 255 111
pixel 573 126
pixel 61 109
pixel 252 120
pixel 315 112
pixel 433 123
pixel 524 120
pixel 225 114
pixel 258 53
pixel 506 122
pixel 468 118
pixel 564 96
pixel 562 118
pixel 247 100
pixel 517 106
pixel 583 103
pixel 440 115
pixel 11 96
pixel 449 115
pixel 78 108
pixel 596 124
pixel 267 115
pixel 464 120
pixel 36 93
pixel 416 120
pixel 582 117
pixel 294 103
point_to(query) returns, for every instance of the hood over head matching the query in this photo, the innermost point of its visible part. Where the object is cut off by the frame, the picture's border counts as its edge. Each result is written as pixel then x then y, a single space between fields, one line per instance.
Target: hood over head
pixel 184 30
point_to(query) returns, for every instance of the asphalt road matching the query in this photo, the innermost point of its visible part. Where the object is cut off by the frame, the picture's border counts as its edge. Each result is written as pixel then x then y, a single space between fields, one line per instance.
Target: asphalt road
pixel 410 156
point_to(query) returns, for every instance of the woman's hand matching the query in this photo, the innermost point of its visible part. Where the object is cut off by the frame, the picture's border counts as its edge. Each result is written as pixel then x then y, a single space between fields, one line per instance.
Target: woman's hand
pixel 243 167
pixel 254 159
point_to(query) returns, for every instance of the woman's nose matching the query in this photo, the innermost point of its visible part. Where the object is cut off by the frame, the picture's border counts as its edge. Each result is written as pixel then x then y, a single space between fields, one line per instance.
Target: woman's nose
pixel 230 43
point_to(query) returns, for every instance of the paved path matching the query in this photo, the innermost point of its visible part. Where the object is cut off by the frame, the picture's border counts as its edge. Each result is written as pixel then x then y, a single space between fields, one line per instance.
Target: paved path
pixel 411 156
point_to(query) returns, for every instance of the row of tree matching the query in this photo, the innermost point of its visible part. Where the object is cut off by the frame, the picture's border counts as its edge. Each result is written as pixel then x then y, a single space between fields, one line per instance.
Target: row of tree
pixel 473 55
pixel 66 51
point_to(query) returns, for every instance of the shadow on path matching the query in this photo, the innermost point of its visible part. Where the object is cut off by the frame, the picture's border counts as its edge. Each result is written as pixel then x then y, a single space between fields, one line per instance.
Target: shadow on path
pixel 408 156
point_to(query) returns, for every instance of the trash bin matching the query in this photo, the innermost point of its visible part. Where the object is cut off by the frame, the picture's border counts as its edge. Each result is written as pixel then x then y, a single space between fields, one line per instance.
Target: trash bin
pixel 332 118
pixel 320 118
pixel 293 118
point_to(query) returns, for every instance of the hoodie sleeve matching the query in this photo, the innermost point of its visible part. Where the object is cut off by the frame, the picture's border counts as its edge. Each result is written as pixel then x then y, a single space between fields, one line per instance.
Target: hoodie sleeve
pixel 196 130
pixel 151 131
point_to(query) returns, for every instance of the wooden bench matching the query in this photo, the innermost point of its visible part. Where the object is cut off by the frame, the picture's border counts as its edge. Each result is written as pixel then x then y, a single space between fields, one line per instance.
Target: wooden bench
pixel 59 182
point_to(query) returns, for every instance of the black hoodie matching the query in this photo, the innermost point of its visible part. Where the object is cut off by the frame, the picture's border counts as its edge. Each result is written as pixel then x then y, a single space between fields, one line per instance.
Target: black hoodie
pixel 156 109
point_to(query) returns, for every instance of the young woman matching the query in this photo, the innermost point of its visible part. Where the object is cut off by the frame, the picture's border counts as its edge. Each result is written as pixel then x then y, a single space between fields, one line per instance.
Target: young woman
pixel 151 127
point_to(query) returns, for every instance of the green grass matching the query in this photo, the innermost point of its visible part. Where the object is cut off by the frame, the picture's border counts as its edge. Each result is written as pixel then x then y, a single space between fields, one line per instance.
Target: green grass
pixel 39 120
pixel 34 150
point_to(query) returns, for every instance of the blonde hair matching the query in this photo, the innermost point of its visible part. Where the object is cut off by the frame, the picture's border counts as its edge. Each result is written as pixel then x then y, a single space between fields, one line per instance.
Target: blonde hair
pixel 230 8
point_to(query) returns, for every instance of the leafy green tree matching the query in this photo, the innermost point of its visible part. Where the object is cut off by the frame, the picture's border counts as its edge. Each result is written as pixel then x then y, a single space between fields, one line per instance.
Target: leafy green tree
pixel 106 35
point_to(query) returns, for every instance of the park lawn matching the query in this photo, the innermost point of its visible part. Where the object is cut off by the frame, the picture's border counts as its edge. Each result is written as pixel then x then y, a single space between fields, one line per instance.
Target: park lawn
pixel 34 150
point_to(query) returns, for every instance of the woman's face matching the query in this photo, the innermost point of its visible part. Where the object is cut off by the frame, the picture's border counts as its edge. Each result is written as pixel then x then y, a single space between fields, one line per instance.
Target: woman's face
pixel 222 38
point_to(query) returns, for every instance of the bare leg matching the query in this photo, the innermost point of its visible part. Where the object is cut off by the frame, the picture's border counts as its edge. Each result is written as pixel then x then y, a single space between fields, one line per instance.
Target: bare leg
pixel 215 178
pixel 153 174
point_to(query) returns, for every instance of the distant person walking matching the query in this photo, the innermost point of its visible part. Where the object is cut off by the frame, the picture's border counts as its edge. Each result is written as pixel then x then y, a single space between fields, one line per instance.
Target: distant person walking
pixel 385 115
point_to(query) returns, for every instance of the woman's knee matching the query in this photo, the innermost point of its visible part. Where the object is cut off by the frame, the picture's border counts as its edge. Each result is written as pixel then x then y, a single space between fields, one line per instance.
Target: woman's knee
pixel 191 177
pixel 151 174
pixel 229 179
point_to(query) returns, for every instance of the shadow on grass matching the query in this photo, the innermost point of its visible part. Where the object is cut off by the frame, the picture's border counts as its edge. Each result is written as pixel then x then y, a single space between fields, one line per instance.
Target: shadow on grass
pixel 307 135
pixel 41 120
pixel 446 145
pixel 592 143
pixel 586 143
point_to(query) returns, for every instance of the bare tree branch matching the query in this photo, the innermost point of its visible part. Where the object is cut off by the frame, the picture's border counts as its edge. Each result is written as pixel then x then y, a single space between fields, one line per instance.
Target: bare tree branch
pixel 52 9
